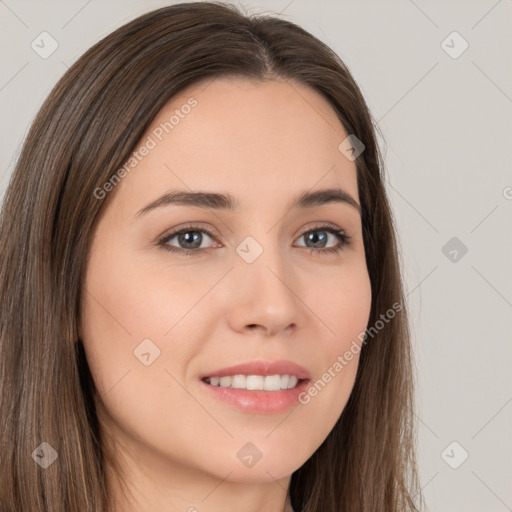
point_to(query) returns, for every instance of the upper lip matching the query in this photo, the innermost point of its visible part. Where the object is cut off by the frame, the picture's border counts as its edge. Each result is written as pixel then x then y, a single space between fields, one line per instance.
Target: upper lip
pixel 262 368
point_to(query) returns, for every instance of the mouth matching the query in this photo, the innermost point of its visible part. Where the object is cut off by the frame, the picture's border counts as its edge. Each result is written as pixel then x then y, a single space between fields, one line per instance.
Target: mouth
pixel 255 382
pixel 258 387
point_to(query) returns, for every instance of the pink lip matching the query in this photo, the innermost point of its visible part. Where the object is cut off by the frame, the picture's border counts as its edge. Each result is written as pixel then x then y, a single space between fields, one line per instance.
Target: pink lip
pixel 262 368
pixel 261 402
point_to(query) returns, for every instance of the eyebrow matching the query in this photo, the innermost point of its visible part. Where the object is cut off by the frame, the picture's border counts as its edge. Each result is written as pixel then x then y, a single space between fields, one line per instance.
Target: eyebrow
pixel 226 201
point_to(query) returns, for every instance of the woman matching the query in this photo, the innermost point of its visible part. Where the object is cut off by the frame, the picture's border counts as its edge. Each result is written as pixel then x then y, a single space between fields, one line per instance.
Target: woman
pixel 201 299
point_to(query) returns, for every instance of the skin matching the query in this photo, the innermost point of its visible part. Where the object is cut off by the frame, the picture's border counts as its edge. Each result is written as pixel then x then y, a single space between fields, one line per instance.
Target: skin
pixel 262 142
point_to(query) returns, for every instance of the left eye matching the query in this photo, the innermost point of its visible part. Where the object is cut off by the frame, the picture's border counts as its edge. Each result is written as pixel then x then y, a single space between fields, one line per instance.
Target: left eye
pixel 192 237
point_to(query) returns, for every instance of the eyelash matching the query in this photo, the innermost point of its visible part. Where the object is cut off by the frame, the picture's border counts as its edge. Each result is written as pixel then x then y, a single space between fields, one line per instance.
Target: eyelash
pixel 344 239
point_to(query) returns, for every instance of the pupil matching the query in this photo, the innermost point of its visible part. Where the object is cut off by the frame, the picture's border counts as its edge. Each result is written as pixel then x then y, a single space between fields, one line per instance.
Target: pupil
pixel 313 236
pixel 195 239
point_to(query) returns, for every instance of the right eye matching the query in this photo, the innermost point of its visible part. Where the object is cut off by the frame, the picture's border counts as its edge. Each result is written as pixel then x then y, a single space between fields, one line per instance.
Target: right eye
pixel 189 235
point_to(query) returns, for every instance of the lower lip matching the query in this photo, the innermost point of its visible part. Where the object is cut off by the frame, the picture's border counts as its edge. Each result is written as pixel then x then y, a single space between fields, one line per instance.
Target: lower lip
pixel 262 402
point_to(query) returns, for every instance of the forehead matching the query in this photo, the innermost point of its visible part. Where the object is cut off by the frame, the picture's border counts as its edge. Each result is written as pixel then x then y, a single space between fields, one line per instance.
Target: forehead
pixel 262 141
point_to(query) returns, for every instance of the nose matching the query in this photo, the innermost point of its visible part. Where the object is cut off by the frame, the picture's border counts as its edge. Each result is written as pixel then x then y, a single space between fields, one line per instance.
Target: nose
pixel 264 296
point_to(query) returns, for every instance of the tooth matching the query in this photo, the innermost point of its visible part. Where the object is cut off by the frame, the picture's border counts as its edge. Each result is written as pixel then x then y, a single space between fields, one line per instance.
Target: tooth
pixel 292 382
pixel 272 383
pixel 254 382
pixel 225 382
pixel 238 381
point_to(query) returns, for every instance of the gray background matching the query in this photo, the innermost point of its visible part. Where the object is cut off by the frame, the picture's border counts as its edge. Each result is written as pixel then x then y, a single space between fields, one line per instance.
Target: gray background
pixel 447 128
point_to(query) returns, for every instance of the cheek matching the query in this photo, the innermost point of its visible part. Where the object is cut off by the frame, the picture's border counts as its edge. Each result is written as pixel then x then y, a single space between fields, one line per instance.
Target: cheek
pixel 136 313
pixel 343 307
pixel 120 310
pixel 128 309
pixel 128 301
pixel 352 311
pixel 341 299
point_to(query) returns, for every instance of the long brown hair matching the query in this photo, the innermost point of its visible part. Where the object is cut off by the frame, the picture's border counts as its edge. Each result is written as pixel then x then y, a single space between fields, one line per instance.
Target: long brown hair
pixel 84 132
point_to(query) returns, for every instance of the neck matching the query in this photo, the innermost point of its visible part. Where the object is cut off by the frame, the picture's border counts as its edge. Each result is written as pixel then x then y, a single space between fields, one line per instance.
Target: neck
pixel 146 487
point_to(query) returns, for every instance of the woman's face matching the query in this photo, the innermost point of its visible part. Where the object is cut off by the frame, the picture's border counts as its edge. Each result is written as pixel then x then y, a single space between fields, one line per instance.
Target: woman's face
pixel 266 286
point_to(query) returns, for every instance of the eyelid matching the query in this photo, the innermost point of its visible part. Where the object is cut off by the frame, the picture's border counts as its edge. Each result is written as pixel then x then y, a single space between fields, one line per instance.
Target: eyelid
pixel 192 226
